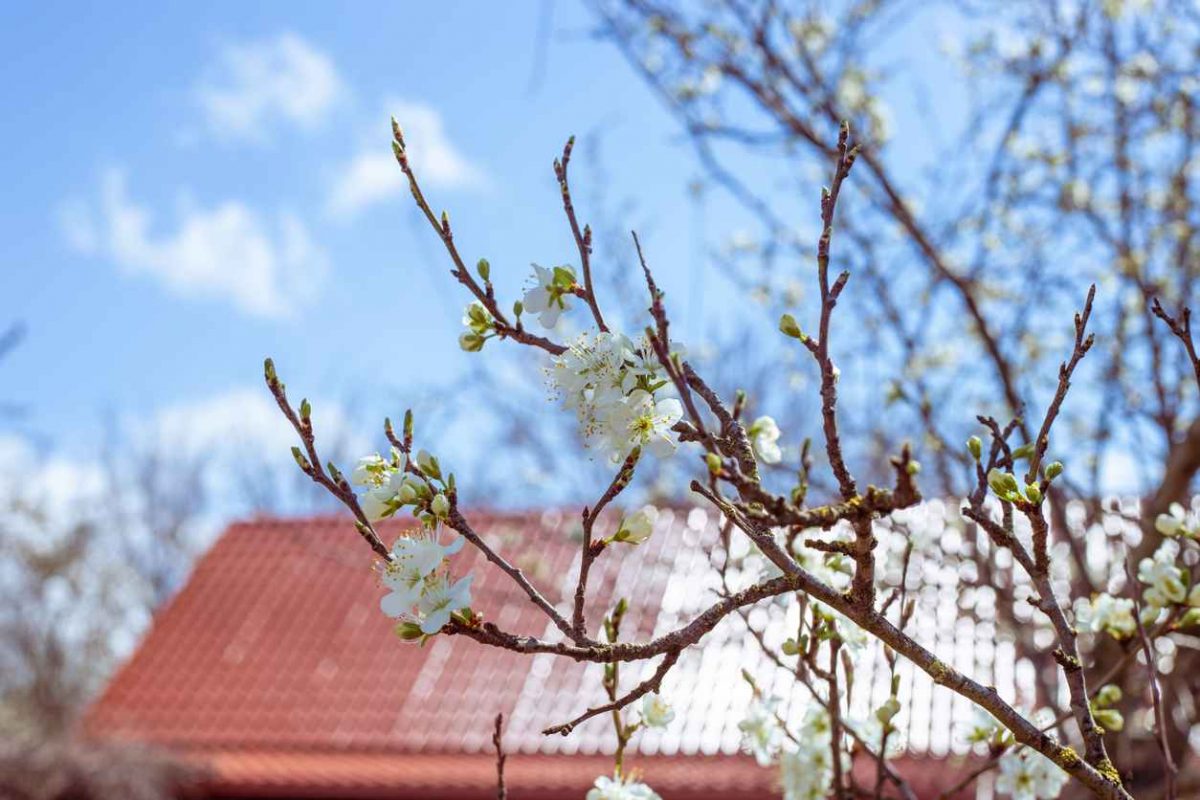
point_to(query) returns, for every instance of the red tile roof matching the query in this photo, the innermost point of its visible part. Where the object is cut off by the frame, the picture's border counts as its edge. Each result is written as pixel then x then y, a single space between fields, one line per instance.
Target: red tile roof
pixel 275 667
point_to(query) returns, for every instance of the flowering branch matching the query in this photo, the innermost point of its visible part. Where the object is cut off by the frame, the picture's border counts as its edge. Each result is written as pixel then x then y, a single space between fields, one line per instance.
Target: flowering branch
pixel 611 383
pixel 484 294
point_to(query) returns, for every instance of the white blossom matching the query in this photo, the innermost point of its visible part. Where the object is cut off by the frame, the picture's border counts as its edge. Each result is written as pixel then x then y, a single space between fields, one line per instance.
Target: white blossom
pixel 1163 578
pixel 638 526
pixel 806 772
pixel 410 575
pixel 548 296
pixel 406 581
pixel 377 502
pixel 370 471
pixel 1028 775
pixel 440 599
pixel 1176 522
pixel 607 788
pixel 761 732
pixel 1105 613
pixel 642 421
pixel 423 550
pixel 764 435
pixel 656 712
pixel 614 388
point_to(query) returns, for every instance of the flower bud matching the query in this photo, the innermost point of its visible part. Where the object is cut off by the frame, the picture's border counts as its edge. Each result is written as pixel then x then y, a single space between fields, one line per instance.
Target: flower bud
pixel 1004 484
pixel 1022 452
pixel 975 447
pixel 485 269
pixel 1108 695
pixel 1053 470
pixel 1110 719
pixel 440 506
pixel 471 342
pixel 1033 492
pixel 789 327
pixel 409 631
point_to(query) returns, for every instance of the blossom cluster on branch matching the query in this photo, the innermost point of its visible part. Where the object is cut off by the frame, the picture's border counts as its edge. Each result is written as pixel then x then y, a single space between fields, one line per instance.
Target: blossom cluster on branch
pixel 637 395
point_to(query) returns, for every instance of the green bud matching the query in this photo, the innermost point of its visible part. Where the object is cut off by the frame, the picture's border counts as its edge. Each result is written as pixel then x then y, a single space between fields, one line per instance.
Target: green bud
pixel 305 410
pixel 485 269
pixel 1108 695
pixel 1033 492
pixel 789 327
pixel 790 648
pixel 1190 618
pixel 409 631
pixel 1053 470
pixel 269 371
pixel 440 506
pixel 1110 719
pixel 471 342
pixel 1023 452
pixel 1004 484
pixel 975 447
pixel 518 307
pixel 334 472
pixel 408 424
pixel 714 463
pixel 301 461
pixel 889 709
pixel 913 467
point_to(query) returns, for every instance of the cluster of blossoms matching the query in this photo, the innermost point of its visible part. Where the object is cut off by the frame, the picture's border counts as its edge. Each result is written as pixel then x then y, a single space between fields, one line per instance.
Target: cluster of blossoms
pixel 1165 587
pixel 805 765
pixel 1025 774
pixel 656 713
pixel 392 483
pixel 614 387
pixel 421 593
pixel 806 771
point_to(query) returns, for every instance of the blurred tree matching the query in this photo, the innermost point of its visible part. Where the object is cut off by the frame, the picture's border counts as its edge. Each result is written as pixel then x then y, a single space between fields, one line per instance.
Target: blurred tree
pixel 1074 162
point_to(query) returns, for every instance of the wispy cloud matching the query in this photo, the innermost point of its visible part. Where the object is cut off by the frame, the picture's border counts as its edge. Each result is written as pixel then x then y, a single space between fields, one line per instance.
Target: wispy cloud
pixel 371 176
pixel 255 84
pixel 267 267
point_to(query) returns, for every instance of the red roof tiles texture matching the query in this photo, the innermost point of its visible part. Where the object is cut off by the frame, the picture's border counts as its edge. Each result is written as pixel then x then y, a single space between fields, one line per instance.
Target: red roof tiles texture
pixel 275 667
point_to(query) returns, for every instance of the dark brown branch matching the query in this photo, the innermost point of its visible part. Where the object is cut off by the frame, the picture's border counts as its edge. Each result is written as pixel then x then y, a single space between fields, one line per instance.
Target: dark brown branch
pixel 591 549
pixel 503 327
pixel 497 742
pixel 583 239
pixel 651 684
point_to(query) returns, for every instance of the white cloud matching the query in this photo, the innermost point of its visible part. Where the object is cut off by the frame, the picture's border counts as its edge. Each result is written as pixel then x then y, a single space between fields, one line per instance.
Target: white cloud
pixel 266 267
pixel 255 83
pixel 372 175
pixel 241 417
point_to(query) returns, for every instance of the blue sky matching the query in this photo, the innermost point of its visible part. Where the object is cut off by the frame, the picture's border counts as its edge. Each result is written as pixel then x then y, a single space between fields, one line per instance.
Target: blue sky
pixel 197 186
pixel 201 185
